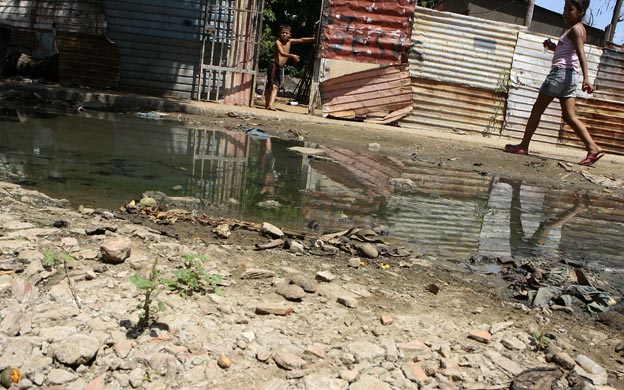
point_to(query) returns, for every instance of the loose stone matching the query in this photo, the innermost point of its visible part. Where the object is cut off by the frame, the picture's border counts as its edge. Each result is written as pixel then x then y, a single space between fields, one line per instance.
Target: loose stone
pixel 386 320
pixel 350 302
pixel 289 361
pixel 292 292
pixel 481 336
pixel 224 362
pixel 325 276
pixel 275 309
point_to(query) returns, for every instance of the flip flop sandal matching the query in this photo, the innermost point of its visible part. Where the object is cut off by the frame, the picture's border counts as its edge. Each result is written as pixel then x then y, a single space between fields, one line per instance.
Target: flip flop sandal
pixel 515 149
pixel 589 160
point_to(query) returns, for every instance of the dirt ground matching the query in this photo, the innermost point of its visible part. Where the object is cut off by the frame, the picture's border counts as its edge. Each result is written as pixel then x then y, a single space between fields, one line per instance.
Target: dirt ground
pixel 466 300
pixel 549 165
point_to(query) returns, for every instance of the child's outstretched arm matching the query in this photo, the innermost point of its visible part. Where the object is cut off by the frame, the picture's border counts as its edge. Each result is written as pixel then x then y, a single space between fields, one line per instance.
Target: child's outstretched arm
pixel 302 40
pixel 577 36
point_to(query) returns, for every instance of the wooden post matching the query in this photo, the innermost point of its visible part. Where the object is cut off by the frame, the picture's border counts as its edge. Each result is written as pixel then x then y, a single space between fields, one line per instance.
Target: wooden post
pixel 529 14
pixel 314 85
pixel 202 53
pixel 614 21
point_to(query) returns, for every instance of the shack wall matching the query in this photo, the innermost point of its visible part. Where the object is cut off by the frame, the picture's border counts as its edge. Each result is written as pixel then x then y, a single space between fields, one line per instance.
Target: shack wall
pixel 459 66
pixel 84 16
pixel 159 44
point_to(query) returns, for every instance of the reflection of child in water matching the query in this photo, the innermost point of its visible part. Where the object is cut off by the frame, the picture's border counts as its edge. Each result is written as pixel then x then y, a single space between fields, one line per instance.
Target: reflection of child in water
pixel 266 167
pixel 539 237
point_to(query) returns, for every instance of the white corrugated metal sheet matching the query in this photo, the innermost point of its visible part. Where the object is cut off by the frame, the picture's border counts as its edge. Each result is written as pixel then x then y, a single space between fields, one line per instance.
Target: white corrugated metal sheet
pixel 530 67
pixel 331 68
pixel 459 66
pixel 457 49
pixel 610 80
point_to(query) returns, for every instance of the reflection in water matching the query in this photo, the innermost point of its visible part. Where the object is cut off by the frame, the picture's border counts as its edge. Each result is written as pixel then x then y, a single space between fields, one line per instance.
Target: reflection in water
pixel 103 160
pixel 550 226
pixel 526 221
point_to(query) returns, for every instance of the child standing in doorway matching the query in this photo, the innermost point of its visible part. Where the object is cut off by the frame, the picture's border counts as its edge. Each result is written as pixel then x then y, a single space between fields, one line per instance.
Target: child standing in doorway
pixel 275 69
pixel 568 61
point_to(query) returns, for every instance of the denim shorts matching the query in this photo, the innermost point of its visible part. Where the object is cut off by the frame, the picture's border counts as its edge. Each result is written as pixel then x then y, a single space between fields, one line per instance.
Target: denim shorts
pixel 561 83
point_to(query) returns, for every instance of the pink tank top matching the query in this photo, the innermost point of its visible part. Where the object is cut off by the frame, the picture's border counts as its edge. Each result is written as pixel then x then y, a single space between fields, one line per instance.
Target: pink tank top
pixel 565 54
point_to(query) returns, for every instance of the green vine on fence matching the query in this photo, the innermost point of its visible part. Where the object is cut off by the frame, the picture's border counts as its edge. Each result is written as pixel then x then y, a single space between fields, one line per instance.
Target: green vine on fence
pixel 501 92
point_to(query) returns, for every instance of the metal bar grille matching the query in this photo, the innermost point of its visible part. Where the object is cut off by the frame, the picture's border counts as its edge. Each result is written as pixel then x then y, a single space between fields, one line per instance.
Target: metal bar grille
pixel 231 46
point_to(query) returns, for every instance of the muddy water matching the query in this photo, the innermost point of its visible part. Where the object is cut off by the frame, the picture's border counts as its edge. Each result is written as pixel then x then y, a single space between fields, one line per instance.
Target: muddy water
pixel 104 160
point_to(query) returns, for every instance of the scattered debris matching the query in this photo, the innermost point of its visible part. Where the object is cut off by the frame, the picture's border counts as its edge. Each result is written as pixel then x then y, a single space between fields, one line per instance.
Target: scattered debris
pixel 257 134
pixel 603 180
pixel 433 288
pixel 155 115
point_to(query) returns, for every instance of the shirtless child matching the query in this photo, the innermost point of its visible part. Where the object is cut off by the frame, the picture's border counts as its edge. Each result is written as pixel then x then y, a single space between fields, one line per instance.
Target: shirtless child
pixel 275 69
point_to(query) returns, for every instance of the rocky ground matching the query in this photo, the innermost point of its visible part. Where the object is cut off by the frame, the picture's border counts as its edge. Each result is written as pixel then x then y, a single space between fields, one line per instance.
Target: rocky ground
pixel 277 319
pixel 296 312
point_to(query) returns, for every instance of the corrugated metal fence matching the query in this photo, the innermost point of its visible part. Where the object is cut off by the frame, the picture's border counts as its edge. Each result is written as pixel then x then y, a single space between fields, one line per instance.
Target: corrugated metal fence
pixel 159 44
pixel 457 65
pixel 470 74
pixel 192 49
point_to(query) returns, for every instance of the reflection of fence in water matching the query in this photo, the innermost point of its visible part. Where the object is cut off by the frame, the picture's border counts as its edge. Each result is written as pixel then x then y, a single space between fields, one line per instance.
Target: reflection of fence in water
pixel 443 214
pixel 219 165
pixel 350 191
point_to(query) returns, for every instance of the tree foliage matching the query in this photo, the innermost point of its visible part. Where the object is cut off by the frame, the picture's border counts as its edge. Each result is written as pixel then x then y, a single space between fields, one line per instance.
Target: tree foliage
pixel 301 16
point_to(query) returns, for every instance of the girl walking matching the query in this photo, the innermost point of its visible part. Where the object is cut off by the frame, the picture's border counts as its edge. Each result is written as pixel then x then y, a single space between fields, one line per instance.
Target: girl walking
pixel 568 61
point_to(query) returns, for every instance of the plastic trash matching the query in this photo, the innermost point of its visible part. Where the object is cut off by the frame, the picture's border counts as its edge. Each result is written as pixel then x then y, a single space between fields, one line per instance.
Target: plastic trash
pixel 149 115
pixel 257 133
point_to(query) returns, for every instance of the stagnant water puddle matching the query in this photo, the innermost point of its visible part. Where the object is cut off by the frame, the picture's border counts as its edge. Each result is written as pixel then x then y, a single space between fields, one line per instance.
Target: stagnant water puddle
pixel 104 160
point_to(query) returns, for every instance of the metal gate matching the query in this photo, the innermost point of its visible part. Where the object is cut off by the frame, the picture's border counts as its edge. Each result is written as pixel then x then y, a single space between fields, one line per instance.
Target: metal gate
pixel 229 51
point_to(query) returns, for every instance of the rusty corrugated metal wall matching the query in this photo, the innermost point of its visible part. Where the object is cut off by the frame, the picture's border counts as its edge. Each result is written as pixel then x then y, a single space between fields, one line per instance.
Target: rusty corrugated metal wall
pixel 372 33
pixel 470 74
pixel 380 95
pixel 603 113
pixel 529 69
pixel 366 30
pixel 459 66
pixel 75 30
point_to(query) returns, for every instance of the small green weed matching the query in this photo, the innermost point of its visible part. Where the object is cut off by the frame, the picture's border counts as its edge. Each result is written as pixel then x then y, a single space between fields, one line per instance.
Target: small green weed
pixel 150 287
pixel 497 121
pixel 193 277
pixel 51 258
pixel 542 340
